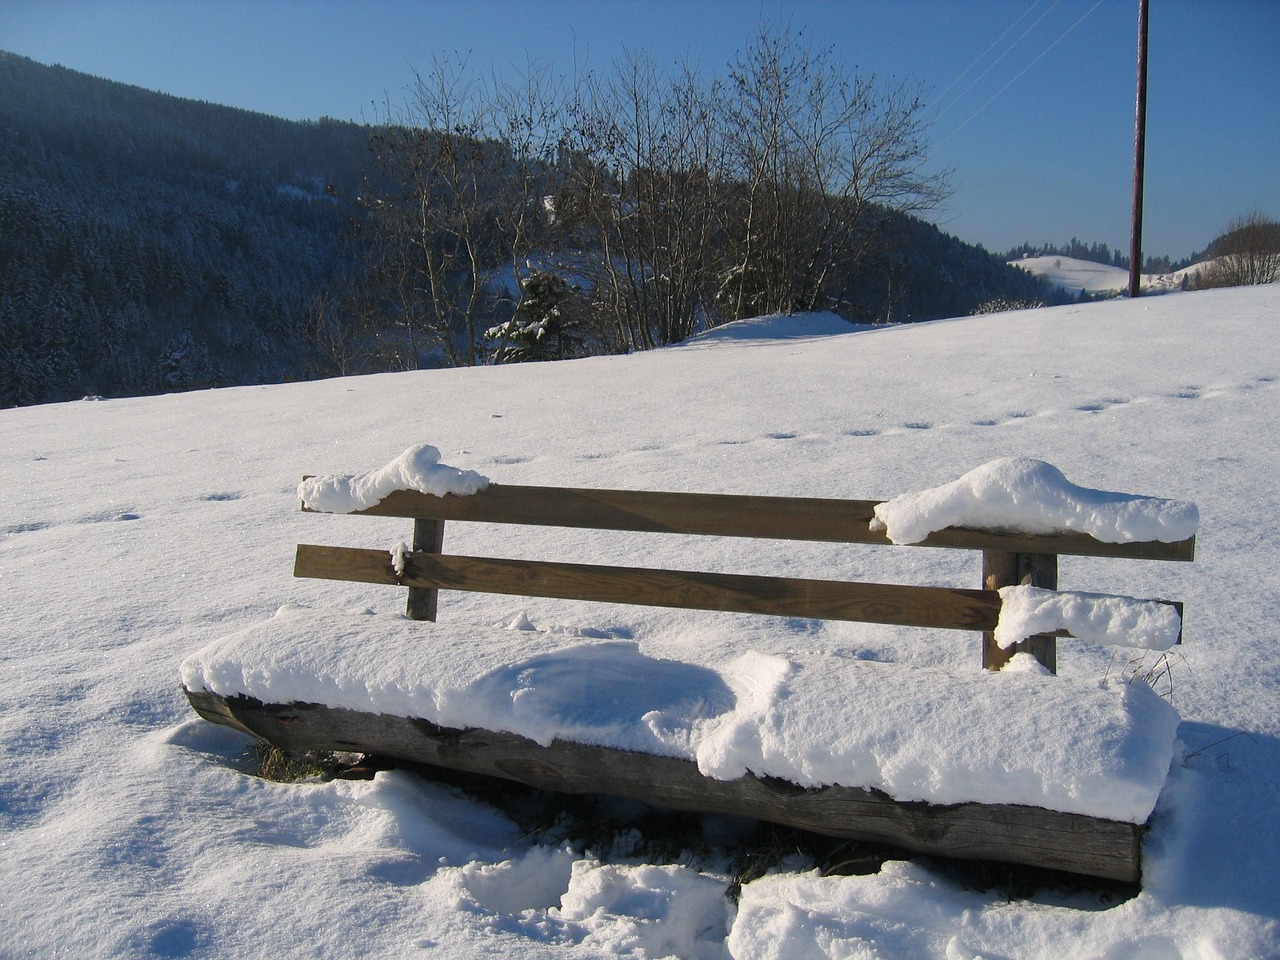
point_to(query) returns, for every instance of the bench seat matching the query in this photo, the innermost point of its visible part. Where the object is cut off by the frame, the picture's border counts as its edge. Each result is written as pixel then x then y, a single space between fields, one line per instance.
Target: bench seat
pixel 1097 748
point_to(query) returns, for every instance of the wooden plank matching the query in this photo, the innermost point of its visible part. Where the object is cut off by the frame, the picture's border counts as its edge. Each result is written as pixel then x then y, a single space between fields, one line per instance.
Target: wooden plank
pixel 733 515
pixel 1061 544
pixel 1001 832
pixel 911 606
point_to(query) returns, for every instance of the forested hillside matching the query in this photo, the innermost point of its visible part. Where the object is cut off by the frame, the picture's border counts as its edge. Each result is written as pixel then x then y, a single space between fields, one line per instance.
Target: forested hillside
pixel 926 274
pixel 150 244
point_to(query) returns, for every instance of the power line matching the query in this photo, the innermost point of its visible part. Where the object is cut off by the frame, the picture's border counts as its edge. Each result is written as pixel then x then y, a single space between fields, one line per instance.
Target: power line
pixel 993 63
pixel 1018 76
pixel 978 59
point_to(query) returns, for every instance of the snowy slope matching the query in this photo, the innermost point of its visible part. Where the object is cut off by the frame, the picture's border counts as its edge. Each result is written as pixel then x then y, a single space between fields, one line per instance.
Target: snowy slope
pixel 1074 275
pixel 134 532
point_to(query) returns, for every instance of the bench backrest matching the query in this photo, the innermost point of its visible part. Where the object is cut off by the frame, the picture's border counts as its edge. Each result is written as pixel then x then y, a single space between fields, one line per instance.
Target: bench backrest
pixel 1008 558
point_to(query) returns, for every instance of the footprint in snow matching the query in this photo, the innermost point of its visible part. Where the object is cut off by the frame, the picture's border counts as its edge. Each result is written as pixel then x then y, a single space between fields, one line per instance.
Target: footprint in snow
pixel 29 527
pixel 109 517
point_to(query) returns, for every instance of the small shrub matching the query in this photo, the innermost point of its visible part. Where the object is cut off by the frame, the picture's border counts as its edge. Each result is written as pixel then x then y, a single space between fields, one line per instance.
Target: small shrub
pixel 1003 304
pixel 1248 252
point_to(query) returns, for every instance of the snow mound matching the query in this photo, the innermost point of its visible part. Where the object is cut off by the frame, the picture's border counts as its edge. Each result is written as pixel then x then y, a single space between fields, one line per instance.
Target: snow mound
pixel 782 326
pixel 418 468
pixel 1031 496
pixel 1101 618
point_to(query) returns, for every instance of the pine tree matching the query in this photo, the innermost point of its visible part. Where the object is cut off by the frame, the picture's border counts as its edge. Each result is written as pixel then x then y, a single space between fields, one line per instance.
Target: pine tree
pixel 540 329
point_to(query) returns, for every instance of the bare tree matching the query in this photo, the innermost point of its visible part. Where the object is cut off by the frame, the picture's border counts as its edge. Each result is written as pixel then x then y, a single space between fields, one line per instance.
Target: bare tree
pixel 671 200
pixel 1247 252
pixel 824 157
pixel 331 335
pixel 471 157
pixel 643 153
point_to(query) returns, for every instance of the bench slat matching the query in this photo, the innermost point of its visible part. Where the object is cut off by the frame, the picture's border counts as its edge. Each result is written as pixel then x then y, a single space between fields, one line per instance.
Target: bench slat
pixel 734 515
pixel 913 606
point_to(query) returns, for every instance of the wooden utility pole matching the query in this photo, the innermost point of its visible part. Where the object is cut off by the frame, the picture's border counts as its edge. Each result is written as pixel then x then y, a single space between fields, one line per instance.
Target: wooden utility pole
pixel 1139 156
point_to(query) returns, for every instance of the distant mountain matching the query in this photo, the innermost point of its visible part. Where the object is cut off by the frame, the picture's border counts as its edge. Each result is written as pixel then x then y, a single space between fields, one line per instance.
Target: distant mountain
pixel 150 243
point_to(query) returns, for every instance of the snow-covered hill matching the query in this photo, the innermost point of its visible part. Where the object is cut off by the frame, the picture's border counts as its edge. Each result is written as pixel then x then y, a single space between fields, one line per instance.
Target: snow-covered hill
pixel 134 532
pixel 1074 275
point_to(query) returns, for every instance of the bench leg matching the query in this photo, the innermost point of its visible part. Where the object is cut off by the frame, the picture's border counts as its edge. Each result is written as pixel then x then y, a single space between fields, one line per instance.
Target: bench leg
pixel 428 537
pixel 1004 569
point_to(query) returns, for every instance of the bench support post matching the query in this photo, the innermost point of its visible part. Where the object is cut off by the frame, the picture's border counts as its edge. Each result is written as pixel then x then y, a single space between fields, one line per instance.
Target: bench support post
pixel 1004 569
pixel 428 537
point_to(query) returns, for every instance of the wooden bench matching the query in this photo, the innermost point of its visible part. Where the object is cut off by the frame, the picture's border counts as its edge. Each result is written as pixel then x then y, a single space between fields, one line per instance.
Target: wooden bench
pixel 1002 832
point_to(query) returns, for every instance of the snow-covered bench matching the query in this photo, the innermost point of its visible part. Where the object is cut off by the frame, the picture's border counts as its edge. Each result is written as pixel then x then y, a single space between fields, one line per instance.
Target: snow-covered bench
pixel 1010 765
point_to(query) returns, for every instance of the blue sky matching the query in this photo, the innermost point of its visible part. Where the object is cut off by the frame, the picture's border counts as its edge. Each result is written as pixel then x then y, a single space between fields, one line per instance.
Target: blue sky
pixel 1033 99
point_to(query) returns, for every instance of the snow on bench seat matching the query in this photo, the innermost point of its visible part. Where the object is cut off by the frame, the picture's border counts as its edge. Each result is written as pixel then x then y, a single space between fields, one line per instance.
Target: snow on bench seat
pixel 1101 748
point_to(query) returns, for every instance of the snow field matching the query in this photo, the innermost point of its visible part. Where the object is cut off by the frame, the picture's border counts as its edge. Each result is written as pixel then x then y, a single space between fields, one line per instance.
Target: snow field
pixel 135 532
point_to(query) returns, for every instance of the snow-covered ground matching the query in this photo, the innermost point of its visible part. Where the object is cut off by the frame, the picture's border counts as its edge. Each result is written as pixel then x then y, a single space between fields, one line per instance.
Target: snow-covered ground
pixel 135 532
pixel 1074 275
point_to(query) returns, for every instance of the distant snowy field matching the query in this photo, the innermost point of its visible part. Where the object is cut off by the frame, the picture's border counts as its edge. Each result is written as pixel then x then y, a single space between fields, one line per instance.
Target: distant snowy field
pixel 1075 276
pixel 135 532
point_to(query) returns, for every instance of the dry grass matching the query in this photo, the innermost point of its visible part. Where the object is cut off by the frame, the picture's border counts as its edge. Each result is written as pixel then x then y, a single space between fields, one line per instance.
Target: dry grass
pixel 272 763
pixel 1155 668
